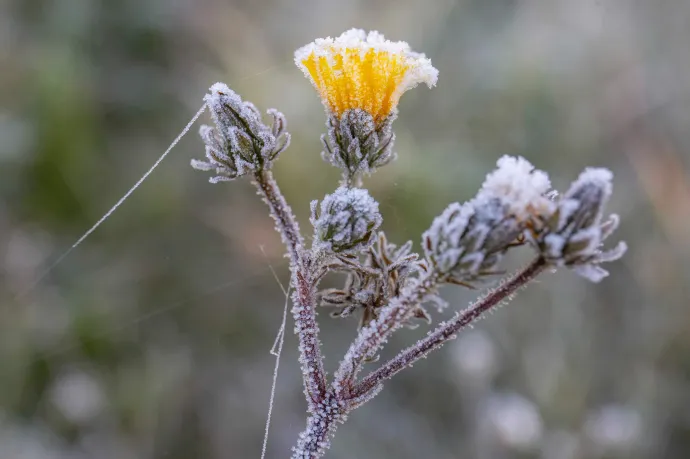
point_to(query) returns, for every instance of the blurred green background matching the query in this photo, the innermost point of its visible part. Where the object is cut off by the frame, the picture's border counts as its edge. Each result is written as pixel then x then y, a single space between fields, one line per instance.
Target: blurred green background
pixel 151 339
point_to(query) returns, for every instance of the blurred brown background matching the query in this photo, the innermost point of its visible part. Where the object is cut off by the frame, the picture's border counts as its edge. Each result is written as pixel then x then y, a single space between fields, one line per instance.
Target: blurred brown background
pixel 151 340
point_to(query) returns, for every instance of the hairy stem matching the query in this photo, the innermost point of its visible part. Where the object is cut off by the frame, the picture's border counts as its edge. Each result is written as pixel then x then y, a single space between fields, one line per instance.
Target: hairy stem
pixel 303 311
pixel 314 441
pixel 374 335
pixel 447 330
pixel 286 224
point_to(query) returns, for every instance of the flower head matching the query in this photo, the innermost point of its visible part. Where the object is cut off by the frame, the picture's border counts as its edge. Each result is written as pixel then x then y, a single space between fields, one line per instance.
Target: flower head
pixel 467 241
pixel 363 71
pixel 524 188
pixel 347 220
pixel 574 233
pixel 240 142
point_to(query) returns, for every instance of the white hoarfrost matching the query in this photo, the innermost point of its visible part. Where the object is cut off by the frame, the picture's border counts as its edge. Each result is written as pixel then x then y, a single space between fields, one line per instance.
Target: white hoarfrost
pixel 576 238
pixel 520 185
pixel 346 221
pixel 419 68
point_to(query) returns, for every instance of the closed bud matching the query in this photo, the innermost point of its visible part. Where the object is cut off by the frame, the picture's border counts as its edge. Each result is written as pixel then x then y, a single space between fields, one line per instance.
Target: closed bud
pixel 573 235
pixel 467 241
pixel 240 142
pixel 358 145
pixel 346 220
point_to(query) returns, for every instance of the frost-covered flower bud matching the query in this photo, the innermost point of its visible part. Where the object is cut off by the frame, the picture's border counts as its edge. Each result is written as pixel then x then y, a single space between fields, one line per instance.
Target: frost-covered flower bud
pixel 358 145
pixel 240 142
pixel 467 241
pixel 346 220
pixel 573 235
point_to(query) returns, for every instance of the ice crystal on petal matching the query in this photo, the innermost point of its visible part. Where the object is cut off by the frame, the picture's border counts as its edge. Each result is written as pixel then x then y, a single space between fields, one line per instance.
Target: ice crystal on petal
pixel 346 221
pixel 363 71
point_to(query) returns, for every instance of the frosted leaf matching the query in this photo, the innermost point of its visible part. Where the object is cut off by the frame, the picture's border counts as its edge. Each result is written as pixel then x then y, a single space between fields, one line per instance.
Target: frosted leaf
pixel 594 273
pixel 574 234
pixel 373 281
pixel 346 221
pixel 202 165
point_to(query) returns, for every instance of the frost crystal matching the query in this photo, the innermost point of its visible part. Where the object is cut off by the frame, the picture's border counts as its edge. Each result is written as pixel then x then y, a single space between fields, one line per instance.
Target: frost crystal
pixel 467 241
pixel 321 425
pixel 346 221
pixel 520 185
pixel 370 285
pixel 363 71
pixel 573 235
pixel 240 142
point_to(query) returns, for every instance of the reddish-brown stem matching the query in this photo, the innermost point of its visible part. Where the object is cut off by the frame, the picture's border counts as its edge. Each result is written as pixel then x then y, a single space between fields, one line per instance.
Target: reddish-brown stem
pixel 303 311
pixel 372 337
pixel 447 330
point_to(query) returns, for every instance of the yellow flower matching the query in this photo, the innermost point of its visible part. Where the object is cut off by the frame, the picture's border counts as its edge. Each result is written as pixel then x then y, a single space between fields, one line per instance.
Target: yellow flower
pixel 365 71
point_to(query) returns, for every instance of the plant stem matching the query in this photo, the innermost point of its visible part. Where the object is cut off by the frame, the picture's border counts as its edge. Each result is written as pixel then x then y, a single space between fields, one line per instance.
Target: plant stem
pixel 447 330
pixel 286 224
pixel 314 441
pixel 374 335
pixel 303 311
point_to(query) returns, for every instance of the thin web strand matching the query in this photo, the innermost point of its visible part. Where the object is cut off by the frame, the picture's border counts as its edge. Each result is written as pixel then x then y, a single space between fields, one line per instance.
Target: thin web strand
pixel 276 350
pixel 117 204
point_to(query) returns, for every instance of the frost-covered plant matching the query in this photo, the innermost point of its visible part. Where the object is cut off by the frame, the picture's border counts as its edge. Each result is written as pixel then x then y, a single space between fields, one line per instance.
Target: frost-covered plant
pixel 346 221
pixel 360 78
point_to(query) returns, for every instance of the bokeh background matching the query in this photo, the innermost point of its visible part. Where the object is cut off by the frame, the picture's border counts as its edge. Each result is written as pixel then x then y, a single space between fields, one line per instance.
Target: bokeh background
pixel 151 340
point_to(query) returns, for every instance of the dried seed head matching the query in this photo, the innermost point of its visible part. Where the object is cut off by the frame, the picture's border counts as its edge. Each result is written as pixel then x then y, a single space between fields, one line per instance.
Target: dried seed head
pixel 346 221
pixel 240 142
pixel 573 234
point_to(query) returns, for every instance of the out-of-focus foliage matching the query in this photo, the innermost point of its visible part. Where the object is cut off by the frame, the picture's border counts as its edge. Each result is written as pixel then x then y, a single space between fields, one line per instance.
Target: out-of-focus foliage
pixel 151 339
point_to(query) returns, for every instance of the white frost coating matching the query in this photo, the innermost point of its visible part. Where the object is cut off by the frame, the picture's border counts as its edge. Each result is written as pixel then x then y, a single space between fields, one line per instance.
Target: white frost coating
pixel 365 71
pixel 347 219
pixel 599 176
pixel 447 228
pixel 421 70
pixel 519 184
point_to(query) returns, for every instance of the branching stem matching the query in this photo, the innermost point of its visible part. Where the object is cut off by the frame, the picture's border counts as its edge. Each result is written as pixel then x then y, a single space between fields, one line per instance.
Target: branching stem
pixel 303 311
pixel 447 330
